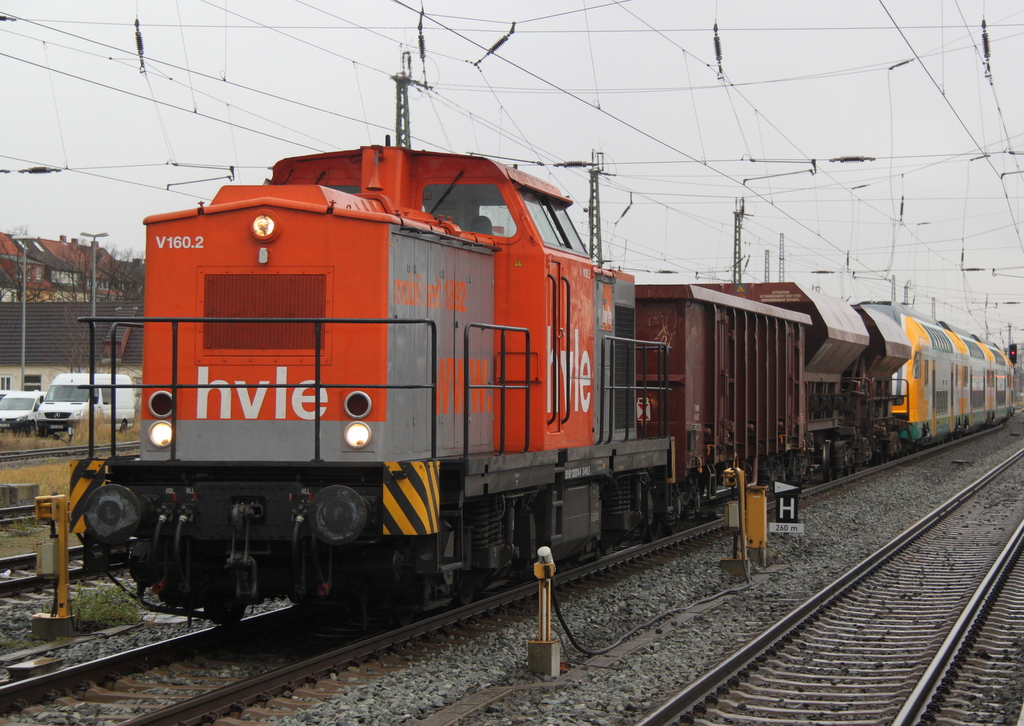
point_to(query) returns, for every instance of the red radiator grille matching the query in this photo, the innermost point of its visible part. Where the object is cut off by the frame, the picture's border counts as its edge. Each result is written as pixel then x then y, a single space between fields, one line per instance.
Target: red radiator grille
pixel 262 296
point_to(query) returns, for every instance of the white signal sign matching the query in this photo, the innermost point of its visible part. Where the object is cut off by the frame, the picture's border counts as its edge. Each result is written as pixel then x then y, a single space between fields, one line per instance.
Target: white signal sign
pixel 643 409
pixel 787 518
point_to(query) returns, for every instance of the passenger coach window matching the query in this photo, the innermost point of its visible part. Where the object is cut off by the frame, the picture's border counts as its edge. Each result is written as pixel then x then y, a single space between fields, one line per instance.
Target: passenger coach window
pixel 553 222
pixel 476 208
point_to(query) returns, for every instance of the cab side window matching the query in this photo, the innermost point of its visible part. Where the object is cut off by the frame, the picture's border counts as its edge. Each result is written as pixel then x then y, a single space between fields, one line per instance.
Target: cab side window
pixel 476 208
pixel 553 223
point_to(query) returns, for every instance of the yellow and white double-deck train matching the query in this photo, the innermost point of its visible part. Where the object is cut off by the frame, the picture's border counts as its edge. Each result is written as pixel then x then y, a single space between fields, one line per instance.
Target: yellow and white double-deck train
pixel 955 382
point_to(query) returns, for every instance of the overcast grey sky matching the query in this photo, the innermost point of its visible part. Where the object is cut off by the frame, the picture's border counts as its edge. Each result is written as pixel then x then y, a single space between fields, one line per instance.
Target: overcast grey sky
pixel 227 87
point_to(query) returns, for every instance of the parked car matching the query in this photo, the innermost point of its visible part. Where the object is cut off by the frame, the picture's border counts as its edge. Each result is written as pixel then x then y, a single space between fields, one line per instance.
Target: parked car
pixel 66 405
pixel 18 411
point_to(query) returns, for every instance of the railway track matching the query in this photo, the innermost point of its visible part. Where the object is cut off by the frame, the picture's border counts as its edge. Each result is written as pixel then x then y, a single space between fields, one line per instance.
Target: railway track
pixel 18 572
pixel 859 650
pixel 63 452
pixel 135 685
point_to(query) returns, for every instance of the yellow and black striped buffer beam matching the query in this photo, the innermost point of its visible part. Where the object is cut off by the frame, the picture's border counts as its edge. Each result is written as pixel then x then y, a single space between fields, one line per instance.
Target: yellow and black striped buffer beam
pixel 86 475
pixel 411 497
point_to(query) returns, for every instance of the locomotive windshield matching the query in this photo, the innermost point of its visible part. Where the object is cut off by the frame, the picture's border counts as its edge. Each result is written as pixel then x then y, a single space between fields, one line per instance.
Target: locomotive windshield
pixel 553 222
pixel 476 208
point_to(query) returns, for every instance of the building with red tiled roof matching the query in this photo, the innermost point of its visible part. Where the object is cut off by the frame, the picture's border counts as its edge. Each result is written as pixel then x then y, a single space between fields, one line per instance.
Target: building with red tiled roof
pixel 61 270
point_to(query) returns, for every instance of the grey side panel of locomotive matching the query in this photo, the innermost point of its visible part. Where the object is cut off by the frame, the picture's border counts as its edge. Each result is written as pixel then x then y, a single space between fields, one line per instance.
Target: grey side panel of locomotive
pixel 452 284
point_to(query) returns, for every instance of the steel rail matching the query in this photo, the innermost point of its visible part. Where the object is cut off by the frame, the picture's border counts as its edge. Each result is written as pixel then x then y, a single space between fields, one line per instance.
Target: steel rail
pixel 55 452
pixel 697 690
pixel 970 620
pixel 19 694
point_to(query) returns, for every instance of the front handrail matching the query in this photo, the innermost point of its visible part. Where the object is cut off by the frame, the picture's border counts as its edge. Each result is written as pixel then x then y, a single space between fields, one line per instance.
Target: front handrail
pixel 318 385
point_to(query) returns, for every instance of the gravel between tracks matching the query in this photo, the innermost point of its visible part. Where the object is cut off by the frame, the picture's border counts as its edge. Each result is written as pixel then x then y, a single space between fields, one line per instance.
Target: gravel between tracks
pixel 841 530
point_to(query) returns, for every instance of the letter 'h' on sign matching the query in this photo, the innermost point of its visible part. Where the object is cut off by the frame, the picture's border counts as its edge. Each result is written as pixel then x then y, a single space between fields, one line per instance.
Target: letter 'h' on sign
pixel 785 509
pixel 786 498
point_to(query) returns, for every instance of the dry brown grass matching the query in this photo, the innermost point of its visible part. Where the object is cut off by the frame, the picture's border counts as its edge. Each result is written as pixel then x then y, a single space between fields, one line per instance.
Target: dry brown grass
pixel 20 442
pixel 52 478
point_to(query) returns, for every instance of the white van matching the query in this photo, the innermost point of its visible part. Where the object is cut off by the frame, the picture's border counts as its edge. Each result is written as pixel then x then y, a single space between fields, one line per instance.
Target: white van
pixel 66 406
pixel 18 411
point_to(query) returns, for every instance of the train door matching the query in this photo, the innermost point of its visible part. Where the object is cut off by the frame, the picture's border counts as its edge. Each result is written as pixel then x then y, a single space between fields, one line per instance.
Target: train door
pixel 970 396
pixel 954 396
pixel 933 403
pixel 559 343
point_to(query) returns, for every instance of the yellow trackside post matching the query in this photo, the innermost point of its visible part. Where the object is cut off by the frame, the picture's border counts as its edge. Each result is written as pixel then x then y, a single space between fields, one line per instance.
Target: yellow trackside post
pixel 751 521
pixel 757 524
pixel 52 561
pixel 543 654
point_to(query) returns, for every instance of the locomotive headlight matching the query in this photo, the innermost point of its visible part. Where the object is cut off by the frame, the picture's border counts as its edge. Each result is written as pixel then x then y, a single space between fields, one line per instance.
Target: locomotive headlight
pixel 265 227
pixel 357 434
pixel 161 434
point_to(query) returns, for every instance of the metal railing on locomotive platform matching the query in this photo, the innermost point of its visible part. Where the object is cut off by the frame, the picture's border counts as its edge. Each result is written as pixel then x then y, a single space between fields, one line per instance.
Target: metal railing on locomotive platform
pixel 608 374
pixel 641 387
pixel 175 386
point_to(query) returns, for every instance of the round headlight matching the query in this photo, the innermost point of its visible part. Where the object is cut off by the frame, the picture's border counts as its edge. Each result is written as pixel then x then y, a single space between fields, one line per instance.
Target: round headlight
pixel 264 227
pixel 161 433
pixel 161 404
pixel 357 434
pixel 357 404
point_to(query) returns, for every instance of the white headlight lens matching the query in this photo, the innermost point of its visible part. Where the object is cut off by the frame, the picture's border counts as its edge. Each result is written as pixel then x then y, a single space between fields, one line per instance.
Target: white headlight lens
pixel 263 226
pixel 357 434
pixel 161 434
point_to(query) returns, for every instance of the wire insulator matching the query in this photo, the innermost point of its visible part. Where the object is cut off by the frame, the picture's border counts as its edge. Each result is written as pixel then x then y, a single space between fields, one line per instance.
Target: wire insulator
pixel 501 42
pixel 138 45
pixel 718 51
pixel 423 42
pixel 984 40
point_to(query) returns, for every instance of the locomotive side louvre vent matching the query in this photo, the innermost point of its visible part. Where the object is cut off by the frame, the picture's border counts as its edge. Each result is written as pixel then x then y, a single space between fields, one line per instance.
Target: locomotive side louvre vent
pixel 262 296
pixel 625 364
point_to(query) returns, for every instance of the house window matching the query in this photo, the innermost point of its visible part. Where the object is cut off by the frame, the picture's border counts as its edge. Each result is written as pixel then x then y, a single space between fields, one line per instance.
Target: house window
pixel 33 382
pixel 5 383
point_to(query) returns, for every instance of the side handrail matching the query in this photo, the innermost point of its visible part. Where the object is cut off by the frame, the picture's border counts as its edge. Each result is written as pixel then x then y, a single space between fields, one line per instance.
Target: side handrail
pixel 502 387
pixel 642 350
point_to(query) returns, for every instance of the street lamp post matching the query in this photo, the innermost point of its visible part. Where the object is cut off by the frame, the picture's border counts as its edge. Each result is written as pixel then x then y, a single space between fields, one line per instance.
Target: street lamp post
pixel 24 298
pixel 92 297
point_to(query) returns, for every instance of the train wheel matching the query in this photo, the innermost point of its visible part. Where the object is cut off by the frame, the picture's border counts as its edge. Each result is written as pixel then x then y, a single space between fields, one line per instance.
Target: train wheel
pixel 696 501
pixel 826 461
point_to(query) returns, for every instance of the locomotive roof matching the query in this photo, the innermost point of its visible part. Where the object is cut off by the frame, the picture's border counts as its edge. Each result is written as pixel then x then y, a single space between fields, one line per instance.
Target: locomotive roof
pixel 326 168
